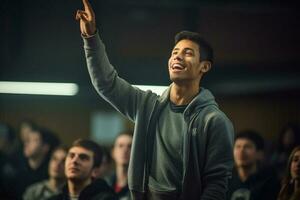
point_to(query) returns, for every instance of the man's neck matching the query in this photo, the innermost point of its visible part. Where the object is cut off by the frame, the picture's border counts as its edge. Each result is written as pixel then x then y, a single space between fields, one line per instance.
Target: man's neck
pixel 245 172
pixel 75 187
pixel 35 163
pixel 183 94
pixel 121 175
pixel 56 183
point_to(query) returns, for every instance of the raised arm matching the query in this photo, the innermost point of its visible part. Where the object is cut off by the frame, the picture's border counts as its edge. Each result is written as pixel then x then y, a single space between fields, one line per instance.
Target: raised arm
pixel 86 19
pixel 115 90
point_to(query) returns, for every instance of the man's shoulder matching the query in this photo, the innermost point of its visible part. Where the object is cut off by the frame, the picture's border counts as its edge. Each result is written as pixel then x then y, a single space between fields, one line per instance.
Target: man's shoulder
pixel 57 197
pixel 36 187
pixel 212 113
pixel 99 190
pixel 39 184
pixel 105 196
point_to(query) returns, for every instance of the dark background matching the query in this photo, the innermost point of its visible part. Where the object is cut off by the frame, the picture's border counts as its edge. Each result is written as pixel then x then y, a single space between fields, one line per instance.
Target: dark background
pixel 255 76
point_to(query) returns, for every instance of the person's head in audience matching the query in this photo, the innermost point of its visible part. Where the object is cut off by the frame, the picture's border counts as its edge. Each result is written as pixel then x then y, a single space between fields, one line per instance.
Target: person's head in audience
pixel 288 138
pixel 106 164
pixel 121 149
pixel 83 158
pixel 247 150
pixel 7 138
pixel 57 179
pixel 38 146
pixel 56 168
pixel 26 127
pixel 291 182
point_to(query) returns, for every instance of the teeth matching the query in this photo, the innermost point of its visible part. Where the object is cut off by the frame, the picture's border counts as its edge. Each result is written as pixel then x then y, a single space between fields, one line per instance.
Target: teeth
pixel 177 66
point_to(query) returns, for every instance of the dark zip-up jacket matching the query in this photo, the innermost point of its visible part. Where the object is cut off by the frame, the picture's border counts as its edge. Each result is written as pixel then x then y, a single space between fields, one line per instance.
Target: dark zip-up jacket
pixel 207 156
pixel 97 190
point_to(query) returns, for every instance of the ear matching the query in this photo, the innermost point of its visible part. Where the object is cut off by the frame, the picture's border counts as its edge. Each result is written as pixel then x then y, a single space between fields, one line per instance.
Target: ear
pixel 96 172
pixel 205 66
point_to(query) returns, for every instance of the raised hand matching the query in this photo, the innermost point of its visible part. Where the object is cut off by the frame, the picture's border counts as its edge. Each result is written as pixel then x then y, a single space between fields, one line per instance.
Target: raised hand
pixel 86 19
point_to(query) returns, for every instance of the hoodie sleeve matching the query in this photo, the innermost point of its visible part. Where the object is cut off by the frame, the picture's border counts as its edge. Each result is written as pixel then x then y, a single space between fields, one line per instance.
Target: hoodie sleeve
pixel 219 157
pixel 118 92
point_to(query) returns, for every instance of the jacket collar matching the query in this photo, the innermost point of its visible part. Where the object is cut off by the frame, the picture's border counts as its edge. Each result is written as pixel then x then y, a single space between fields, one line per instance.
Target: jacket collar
pixel 204 98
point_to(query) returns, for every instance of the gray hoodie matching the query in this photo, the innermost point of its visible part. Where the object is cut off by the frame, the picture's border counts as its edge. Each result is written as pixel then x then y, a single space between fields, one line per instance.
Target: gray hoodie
pixel 207 154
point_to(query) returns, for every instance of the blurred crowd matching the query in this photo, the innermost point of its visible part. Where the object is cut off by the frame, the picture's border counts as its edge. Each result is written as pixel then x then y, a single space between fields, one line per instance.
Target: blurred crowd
pixel 36 165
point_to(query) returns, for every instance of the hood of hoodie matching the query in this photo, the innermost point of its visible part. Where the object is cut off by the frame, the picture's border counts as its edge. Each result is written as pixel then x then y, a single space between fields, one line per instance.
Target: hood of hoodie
pixel 203 99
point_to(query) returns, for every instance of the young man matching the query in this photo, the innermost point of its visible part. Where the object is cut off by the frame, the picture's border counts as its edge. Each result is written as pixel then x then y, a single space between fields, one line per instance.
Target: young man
pixel 121 155
pixel 249 182
pixel 82 159
pixel 182 144
pixel 38 146
pixel 52 186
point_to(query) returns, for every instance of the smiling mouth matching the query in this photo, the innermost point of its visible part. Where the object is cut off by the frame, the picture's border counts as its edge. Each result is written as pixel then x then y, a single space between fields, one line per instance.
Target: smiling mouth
pixel 177 66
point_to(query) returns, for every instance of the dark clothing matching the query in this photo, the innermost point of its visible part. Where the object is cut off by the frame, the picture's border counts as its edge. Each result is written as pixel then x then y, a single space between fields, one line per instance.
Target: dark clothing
pixel 264 185
pixel 124 193
pixel 29 176
pixel 97 190
pixel 8 178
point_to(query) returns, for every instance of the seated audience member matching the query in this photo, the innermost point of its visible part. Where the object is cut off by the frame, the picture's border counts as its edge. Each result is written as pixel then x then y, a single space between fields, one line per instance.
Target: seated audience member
pixel 47 188
pixel 105 168
pixel 290 189
pixel 38 146
pixel 289 137
pixel 26 127
pixel 8 168
pixel 121 156
pixel 249 182
pixel 83 158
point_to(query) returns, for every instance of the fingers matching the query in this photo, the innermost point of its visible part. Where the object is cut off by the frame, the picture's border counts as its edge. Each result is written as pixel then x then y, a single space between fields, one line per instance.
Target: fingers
pixel 80 14
pixel 88 8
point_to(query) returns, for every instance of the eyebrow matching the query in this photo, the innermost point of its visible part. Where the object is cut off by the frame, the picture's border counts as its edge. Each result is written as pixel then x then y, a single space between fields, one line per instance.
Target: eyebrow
pixel 80 154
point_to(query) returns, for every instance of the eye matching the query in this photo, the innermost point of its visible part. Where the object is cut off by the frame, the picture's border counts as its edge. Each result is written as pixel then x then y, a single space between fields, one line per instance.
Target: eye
pixel 295 159
pixel 84 157
pixel 189 53
pixel 174 53
pixel 71 155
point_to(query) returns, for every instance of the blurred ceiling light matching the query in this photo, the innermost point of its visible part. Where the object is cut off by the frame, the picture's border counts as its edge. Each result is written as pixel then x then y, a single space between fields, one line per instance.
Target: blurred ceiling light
pixel 38 88
pixel 154 88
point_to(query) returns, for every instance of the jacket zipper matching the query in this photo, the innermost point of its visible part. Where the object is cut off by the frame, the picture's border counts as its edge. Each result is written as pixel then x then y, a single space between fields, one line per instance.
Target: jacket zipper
pixel 148 138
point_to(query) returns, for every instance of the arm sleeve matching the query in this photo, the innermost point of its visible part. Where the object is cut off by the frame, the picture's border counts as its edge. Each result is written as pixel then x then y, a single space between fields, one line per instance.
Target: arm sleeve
pixel 118 92
pixel 219 158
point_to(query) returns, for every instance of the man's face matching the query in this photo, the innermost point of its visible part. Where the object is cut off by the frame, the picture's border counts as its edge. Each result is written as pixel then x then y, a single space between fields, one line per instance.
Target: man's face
pixel 184 63
pixel 121 151
pixel 79 164
pixel 33 145
pixel 245 153
pixel 57 164
pixel 295 166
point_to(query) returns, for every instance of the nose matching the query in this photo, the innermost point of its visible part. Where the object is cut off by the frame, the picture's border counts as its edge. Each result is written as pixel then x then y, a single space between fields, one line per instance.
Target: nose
pixel 75 159
pixel 178 56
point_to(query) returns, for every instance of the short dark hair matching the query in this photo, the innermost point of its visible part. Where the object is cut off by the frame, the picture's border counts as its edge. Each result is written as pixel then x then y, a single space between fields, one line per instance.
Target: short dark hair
pixel 253 136
pixel 91 146
pixel 48 137
pixel 205 49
